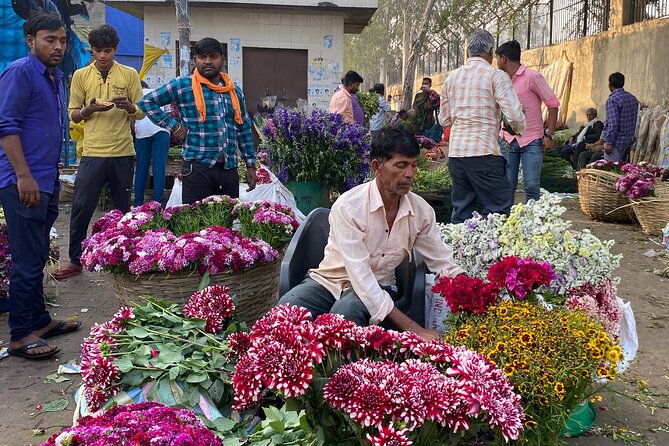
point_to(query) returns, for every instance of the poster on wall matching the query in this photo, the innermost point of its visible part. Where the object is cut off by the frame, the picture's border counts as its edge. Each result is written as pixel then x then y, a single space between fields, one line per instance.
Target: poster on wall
pixel 234 61
pixel 328 41
pixel 167 61
pixel 235 45
pixel 166 38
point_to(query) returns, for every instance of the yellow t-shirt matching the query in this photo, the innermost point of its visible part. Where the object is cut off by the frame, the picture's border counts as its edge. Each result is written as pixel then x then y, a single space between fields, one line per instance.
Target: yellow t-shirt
pixel 106 134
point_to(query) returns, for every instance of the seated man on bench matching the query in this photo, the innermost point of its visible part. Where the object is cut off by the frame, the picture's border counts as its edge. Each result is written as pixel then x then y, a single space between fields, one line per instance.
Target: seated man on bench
pixel 373 227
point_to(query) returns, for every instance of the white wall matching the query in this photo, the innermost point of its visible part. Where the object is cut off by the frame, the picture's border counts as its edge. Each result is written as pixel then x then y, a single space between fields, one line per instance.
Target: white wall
pixel 266 28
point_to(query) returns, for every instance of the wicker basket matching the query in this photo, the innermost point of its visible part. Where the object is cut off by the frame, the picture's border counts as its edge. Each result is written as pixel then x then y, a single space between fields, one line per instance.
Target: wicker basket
pixel 254 290
pixel 599 198
pixel 661 189
pixel 653 213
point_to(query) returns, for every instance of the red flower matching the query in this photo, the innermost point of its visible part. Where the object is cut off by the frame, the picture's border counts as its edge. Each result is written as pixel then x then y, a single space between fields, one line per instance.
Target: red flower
pixel 211 304
pixel 520 276
pixel 464 293
pixel 388 436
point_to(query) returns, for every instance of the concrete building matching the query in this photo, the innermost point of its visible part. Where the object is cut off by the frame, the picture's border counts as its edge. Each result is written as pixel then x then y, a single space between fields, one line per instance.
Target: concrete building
pixel 292 49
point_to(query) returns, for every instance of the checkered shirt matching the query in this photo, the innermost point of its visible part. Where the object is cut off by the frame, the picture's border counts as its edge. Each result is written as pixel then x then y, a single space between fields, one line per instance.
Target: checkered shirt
pixel 621 114
pixel 215 140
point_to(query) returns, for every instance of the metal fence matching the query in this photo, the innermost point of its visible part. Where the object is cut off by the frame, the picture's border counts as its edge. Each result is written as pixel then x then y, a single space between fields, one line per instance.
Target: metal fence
pixel 640 10
pixel 547 23
pixel 556 21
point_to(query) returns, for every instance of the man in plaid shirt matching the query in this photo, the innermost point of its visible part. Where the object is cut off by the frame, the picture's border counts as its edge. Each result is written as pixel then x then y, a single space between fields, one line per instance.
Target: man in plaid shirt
pixel 473 100
pixel 621 114
pixel 214 125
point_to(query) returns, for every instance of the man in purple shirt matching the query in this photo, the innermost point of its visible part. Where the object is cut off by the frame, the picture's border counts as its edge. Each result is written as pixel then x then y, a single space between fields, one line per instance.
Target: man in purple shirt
pixel 622 109
pixel 32 111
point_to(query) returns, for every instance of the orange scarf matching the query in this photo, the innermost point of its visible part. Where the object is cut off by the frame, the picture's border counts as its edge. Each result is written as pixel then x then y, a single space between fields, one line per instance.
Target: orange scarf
pixel 197 80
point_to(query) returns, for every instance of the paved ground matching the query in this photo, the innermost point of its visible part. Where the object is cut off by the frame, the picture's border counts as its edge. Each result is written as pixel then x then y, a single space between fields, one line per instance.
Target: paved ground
pixel 636 409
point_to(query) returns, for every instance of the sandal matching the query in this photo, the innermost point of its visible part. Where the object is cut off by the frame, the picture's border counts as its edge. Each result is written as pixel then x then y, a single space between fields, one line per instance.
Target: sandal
pixel 66 273
pixel 59 329
pixel 22 352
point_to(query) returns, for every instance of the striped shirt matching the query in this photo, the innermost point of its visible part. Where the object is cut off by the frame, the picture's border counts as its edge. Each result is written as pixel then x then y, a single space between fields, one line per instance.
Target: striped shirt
pixel 217 139
pixel 473 99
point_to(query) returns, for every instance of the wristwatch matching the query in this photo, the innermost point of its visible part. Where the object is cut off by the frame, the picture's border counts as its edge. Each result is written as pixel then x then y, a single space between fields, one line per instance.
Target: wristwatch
pixel 548 135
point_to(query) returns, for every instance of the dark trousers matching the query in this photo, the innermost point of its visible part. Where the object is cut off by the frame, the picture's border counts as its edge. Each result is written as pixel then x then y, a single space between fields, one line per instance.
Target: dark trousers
pixel 482 177
pixel 92 175
pixel 28 230
pixel 201 181
pixel 318 300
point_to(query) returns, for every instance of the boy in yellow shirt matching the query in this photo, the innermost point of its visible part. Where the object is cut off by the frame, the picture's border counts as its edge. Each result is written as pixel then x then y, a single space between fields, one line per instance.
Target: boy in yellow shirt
pixel 103 96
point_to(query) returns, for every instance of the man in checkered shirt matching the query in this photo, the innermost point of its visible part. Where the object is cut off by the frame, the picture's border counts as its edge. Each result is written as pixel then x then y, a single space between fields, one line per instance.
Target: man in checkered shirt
pixel 214 125
pixel 473 99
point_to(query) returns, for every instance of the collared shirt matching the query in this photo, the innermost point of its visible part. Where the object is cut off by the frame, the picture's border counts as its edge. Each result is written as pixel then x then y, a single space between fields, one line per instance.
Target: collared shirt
pixel 380 119
pixel 531 89
pixel 473 99
pixel 218 138
pixel 32 106
pixel 362 253
pixel 622 109
pixel 341 103
pixel 106 134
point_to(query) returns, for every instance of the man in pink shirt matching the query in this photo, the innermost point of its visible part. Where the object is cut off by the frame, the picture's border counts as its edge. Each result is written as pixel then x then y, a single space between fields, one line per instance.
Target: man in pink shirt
pixel 341 101
pixel 532 90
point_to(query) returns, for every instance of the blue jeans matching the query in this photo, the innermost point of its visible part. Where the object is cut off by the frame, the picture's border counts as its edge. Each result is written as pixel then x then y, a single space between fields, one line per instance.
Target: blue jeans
pixel 28 230
pixel 151 150
pixel 532 158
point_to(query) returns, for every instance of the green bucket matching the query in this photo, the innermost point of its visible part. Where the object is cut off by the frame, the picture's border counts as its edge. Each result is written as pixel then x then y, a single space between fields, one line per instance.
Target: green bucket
pixel 309 195
pixel 580 420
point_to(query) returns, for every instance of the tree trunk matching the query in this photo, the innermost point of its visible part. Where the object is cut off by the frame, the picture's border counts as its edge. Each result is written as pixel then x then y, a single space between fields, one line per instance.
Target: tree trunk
pixel 405 44
pixel 416 49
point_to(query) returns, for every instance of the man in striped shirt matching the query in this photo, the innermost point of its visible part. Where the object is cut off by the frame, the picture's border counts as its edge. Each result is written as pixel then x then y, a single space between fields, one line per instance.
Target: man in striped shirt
pixel 473 100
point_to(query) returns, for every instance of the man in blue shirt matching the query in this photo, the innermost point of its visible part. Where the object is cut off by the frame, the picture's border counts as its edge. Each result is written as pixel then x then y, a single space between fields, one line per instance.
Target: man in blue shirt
pixel 214 125
pixel 32 110
pixel 622 109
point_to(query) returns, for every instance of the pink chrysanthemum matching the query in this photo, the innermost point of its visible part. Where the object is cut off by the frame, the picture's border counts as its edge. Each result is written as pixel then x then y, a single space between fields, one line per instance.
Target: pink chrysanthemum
pixel 212 304
pixel 388 436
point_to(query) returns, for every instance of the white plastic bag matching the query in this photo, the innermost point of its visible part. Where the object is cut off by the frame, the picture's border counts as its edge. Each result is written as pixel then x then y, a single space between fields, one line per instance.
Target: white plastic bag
pixel 175 196
pixel 629 340
pixel 436 309
pixel 274 191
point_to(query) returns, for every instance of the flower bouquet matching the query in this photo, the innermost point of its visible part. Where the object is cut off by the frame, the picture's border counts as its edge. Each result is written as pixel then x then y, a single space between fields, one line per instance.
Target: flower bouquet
pixel 168 253
pixel 161 343
pixel 319 148
pixel 143 424
pixel 366 385
pixel 534 230
pixel 551 352
pixel 639 180
pixel 272 222
pixel 425 105
pixel 553 358
pixel 649 195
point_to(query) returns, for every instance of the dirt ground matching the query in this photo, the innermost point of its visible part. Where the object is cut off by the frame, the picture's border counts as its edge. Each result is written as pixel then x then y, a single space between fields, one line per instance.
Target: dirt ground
pixel 633 411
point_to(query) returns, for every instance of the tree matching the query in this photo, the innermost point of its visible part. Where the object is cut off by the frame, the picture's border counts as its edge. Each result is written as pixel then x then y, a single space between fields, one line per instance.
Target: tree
pixel 414 54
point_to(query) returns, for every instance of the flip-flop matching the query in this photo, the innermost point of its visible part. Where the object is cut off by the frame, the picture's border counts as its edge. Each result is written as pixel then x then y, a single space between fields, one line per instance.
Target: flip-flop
pixel 66 273
pixel 22 352
pixel 59 329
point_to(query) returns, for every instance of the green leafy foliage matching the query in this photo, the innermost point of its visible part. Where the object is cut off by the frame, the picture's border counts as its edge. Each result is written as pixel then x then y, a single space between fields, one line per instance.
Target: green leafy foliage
pixel 161 345
pixel 438 179
pixel 369 102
